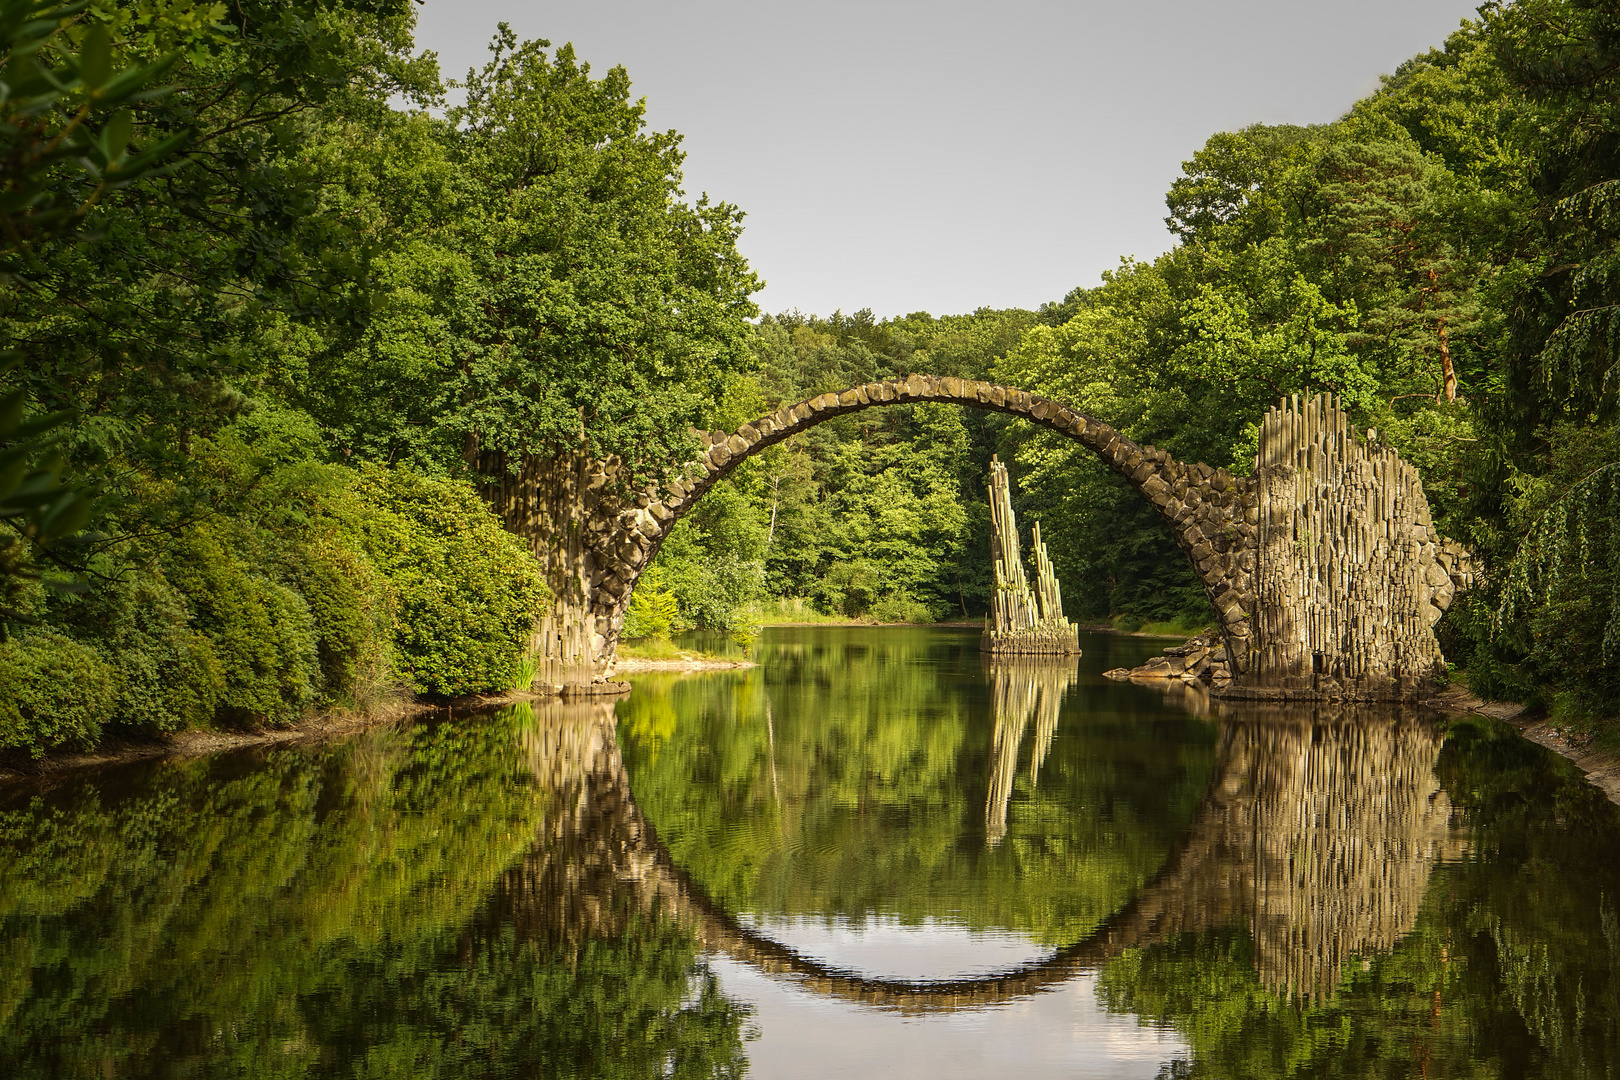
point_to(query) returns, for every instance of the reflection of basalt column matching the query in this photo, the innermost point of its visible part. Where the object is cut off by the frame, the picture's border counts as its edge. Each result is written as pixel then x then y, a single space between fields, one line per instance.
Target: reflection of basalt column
pixel 1021 619
pixel 1348 819
pixel 1021 690
pixel 567 888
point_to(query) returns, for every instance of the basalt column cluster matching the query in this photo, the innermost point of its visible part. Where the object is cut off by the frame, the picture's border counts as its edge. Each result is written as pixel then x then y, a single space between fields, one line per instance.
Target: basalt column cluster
pixel 1352 575
pixel 1022 620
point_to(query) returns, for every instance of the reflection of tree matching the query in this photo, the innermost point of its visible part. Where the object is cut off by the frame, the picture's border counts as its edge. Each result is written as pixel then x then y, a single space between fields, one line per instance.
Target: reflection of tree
pixel 1021 689
pixel 873 801
pixel 328 911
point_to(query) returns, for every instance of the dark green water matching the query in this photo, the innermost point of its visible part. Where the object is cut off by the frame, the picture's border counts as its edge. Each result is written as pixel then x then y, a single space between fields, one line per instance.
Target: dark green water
pixel 870 856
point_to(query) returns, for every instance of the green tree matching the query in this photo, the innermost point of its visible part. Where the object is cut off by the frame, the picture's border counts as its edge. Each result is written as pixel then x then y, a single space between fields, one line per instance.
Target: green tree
pixel 540 277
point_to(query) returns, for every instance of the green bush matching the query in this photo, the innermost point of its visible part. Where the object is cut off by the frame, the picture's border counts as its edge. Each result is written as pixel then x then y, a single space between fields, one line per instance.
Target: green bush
pixel 901 607
pixel 261 631
pixel 465 590
pixel 165 674
pixel 54 692
pixel 654 608
pixel 317 585
pixel 350 603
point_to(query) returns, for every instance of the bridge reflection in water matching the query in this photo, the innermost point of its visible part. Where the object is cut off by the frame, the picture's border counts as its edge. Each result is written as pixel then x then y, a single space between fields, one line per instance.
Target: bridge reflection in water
pixel 1318 833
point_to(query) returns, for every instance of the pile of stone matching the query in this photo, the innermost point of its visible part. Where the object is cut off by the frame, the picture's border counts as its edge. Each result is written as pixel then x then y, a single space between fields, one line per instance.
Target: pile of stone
pixel 1198 659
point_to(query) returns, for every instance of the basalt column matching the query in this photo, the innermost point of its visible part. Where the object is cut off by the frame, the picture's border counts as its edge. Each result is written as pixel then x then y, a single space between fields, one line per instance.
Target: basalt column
pixel 565 507
pixel 1351 574
pixel 1022 619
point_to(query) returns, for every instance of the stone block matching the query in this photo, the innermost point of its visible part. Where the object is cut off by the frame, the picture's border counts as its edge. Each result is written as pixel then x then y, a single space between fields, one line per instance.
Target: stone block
pixel 719 456
pixel 737 446
pixel 849 397
pixel 750 434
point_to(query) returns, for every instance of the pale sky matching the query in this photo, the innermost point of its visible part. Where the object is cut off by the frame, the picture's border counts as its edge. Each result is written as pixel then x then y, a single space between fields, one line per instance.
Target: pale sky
pixel 940 157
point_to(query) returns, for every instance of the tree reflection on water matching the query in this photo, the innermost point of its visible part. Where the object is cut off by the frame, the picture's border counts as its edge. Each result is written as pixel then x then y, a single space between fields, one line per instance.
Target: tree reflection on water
pixel 1299 892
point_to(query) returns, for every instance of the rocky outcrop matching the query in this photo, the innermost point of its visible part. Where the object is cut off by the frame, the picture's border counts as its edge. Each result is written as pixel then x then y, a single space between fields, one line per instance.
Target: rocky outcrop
pixel 1022 620
pixel 1199 659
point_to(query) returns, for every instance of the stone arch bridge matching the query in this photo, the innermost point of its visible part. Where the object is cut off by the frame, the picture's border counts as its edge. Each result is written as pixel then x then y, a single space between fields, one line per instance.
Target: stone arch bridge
pixel 1323 565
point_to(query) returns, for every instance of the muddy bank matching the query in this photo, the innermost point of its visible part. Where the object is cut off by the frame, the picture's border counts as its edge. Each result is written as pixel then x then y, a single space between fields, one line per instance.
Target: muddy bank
pixel 1602 767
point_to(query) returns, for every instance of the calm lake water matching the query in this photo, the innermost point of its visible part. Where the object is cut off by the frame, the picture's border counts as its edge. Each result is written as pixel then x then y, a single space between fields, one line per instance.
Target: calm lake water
pixel 873 855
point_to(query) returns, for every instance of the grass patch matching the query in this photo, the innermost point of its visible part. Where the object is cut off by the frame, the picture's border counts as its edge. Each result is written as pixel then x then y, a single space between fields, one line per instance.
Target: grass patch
pixel 527 668
pixel 785 610
pixel 1182 626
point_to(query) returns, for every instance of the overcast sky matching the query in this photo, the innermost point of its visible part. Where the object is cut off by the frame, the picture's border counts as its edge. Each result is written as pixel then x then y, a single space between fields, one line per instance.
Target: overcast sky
pixel 946 156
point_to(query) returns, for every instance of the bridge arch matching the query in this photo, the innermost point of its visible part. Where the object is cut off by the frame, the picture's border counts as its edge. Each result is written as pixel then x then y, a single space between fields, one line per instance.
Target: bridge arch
pixel 1323 566
pixel 1212 514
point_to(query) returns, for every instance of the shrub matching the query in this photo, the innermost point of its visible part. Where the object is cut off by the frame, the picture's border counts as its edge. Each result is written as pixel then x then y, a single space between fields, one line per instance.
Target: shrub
pixel 654 608
pixel 165 674
pixel 465 590
pixel 54 692
pixel 349 601
pixel 261 631
pixel 900 606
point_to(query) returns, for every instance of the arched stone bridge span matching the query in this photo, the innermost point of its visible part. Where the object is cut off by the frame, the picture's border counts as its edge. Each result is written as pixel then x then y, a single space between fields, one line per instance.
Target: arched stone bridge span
pixel 1323 566
pixel 1317 834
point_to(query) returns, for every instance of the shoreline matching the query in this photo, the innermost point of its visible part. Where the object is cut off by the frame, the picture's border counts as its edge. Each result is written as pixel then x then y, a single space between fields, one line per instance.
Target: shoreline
pixel 200 742
pixel 635 665
pixel 1601 766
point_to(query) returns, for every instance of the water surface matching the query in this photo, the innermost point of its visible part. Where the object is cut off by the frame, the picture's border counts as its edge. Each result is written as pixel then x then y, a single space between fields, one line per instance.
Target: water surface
pixel 872 855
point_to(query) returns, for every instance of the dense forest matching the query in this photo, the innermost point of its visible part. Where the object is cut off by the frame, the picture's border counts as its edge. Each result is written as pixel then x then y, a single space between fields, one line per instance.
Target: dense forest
pixel 273 291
